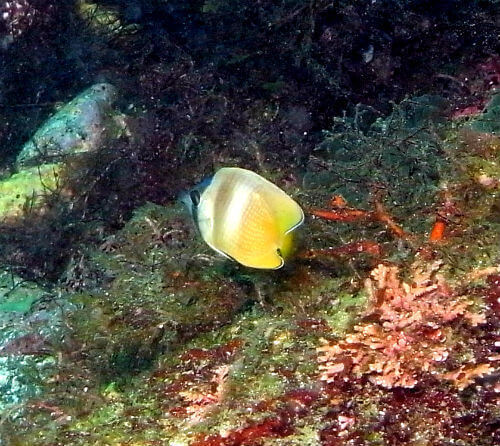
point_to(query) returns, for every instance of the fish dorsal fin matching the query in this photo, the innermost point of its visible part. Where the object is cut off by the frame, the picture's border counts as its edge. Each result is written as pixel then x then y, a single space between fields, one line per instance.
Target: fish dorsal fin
pixel 288 213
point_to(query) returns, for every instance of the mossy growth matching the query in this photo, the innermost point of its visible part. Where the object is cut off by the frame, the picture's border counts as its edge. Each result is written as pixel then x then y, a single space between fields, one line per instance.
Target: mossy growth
pixel 399 158
pixel 103 20
pixel 472 188
pixel 155 291
pixel 169 320
pixel 24 191
pixel 175 343
pixel 17 295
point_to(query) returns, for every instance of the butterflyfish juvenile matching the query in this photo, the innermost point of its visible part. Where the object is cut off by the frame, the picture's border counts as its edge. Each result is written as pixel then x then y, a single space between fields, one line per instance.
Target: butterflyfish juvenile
pixel 245 217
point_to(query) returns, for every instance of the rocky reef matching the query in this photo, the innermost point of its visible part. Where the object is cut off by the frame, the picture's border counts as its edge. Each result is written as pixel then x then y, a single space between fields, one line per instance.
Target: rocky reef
pixel 119 326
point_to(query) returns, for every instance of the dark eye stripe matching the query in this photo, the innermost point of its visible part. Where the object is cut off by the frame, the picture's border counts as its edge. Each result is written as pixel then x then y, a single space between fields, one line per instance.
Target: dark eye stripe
pixel 195 201
pixel 195 197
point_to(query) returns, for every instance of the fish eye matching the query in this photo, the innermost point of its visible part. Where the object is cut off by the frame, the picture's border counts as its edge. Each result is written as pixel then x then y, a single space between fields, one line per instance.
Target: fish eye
pixel 195 197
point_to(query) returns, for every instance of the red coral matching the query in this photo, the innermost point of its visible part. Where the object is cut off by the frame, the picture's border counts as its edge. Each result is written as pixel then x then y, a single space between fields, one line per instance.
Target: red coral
pixel 341 212
pixel 467 374
pixel 202 381
pixel 407 332
pixel 201 402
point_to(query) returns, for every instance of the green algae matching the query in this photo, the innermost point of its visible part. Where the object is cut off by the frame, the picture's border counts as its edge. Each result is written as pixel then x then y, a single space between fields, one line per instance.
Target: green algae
pixel 103 20
pixel 474 190
pixel 400 156
pixel 341 318
pixel 305 436
pixel 489 120
pixel 25 190
pixel 273 357
pixel 165 308
pixel 156 296
pixel 17 295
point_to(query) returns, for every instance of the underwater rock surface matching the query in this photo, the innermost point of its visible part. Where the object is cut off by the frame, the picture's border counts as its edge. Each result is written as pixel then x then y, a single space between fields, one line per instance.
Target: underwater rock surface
pixel 336 349
pixel 27 329
pixel 24 190
pixel 383 328
pixel 489 120
pixel 82 125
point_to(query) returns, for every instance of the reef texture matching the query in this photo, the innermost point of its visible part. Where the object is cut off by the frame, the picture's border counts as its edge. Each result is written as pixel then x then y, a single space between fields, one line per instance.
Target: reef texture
pixel 119 326
pixel 408 337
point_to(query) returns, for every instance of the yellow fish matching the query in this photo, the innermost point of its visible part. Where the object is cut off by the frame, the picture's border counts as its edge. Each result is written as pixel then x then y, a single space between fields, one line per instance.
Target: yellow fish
pixel 245 217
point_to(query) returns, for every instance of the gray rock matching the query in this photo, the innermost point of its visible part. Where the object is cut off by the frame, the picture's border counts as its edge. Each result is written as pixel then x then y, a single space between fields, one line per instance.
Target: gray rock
pixel 29 324
pixel 82 125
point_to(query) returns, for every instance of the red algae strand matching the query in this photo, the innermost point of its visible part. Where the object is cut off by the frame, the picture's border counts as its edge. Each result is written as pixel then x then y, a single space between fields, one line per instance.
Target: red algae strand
pixel 271 427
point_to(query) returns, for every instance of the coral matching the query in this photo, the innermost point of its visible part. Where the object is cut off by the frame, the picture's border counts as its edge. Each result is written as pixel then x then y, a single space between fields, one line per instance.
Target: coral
pixel 407 333
pixel 203 382
pixel 200 402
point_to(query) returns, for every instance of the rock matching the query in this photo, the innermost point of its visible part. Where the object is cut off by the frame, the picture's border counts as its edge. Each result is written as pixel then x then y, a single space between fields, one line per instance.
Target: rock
pixel 28 325
pixel 489 120
pixel 24 190
pixel 82 125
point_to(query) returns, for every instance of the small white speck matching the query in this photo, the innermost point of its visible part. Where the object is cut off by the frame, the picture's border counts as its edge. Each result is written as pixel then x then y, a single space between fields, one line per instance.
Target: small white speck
pixel 368 54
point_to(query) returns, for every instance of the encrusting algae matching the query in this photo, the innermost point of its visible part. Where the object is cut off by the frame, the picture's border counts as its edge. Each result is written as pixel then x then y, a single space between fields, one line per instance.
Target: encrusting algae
pixel 383 329
pixel 411 333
